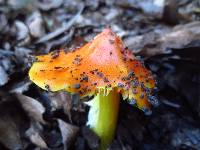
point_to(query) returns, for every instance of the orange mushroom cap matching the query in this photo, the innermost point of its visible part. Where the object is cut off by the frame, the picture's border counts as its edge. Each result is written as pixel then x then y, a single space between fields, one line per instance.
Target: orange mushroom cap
pixel 103 63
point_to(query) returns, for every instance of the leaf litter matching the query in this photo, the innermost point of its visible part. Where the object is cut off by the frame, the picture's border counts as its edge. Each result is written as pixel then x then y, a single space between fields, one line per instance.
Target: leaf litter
pixel 164 34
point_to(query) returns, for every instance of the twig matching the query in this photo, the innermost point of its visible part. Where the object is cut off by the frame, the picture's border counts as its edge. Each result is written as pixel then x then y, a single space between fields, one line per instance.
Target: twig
pixel 171 104
pixel 6 52
pixel 59 41
pixel 61 29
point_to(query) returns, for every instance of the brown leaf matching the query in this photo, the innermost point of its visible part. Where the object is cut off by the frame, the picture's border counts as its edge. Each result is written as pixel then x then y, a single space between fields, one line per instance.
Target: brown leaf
pixel 3 76
pixel 68 132
pixel 9 133
pixel 32 107
pixel 11 118
pixel 33 133
pixel 62 100
pixel 154 43
pixel 21 87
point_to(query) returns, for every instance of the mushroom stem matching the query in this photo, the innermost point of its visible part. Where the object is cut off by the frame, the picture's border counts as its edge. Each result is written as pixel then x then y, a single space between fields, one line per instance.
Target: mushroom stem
pixel 103 114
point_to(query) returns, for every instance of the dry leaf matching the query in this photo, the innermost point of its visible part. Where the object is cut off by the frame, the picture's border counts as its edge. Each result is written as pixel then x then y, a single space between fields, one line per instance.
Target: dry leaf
pixel 9 133
pixel 33 134
pixel 3 76
pixel 34 109
pixel 62 100
pixel 21 87
pixel 68 132
pixel 10 118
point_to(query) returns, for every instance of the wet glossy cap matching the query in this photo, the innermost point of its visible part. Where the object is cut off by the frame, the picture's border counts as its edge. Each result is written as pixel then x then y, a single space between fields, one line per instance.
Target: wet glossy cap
pixel 103 63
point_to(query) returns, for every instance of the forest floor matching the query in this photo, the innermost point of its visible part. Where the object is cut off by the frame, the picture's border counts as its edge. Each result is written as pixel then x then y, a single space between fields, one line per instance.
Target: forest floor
pixel 165 33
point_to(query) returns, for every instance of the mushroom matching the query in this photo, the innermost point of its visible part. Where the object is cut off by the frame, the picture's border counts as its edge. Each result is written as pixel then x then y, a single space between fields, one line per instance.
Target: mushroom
pixel 102 68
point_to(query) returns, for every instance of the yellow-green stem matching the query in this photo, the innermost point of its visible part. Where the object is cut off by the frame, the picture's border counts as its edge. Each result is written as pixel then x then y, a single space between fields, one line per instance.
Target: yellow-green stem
pixel 103 116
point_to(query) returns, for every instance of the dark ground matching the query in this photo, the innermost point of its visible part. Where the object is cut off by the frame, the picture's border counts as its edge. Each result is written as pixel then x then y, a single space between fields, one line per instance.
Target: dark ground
pixel 165 33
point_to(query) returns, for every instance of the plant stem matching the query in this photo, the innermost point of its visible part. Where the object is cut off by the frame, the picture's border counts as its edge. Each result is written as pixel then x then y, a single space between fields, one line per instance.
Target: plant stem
pixel 103 116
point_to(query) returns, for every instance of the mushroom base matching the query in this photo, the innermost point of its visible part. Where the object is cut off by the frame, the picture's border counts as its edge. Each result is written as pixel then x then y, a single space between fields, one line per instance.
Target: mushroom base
pixel 102 118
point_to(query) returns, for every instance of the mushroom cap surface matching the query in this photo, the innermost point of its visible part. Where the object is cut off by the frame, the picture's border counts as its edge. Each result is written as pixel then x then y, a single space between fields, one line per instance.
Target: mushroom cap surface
pixel 103 63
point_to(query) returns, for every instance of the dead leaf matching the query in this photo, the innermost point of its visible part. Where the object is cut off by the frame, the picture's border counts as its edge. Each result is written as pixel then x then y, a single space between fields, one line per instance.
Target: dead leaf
pixel 3 76
pixel 62 100
pixel 50 4
pixel 91 138
pixel 21 87
pixel 22 30
pixel 9 133
pixel 11 117
pixel 33 133
pixel 154 43
pixel 34 109
pixel 68 132
pixel 36 24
